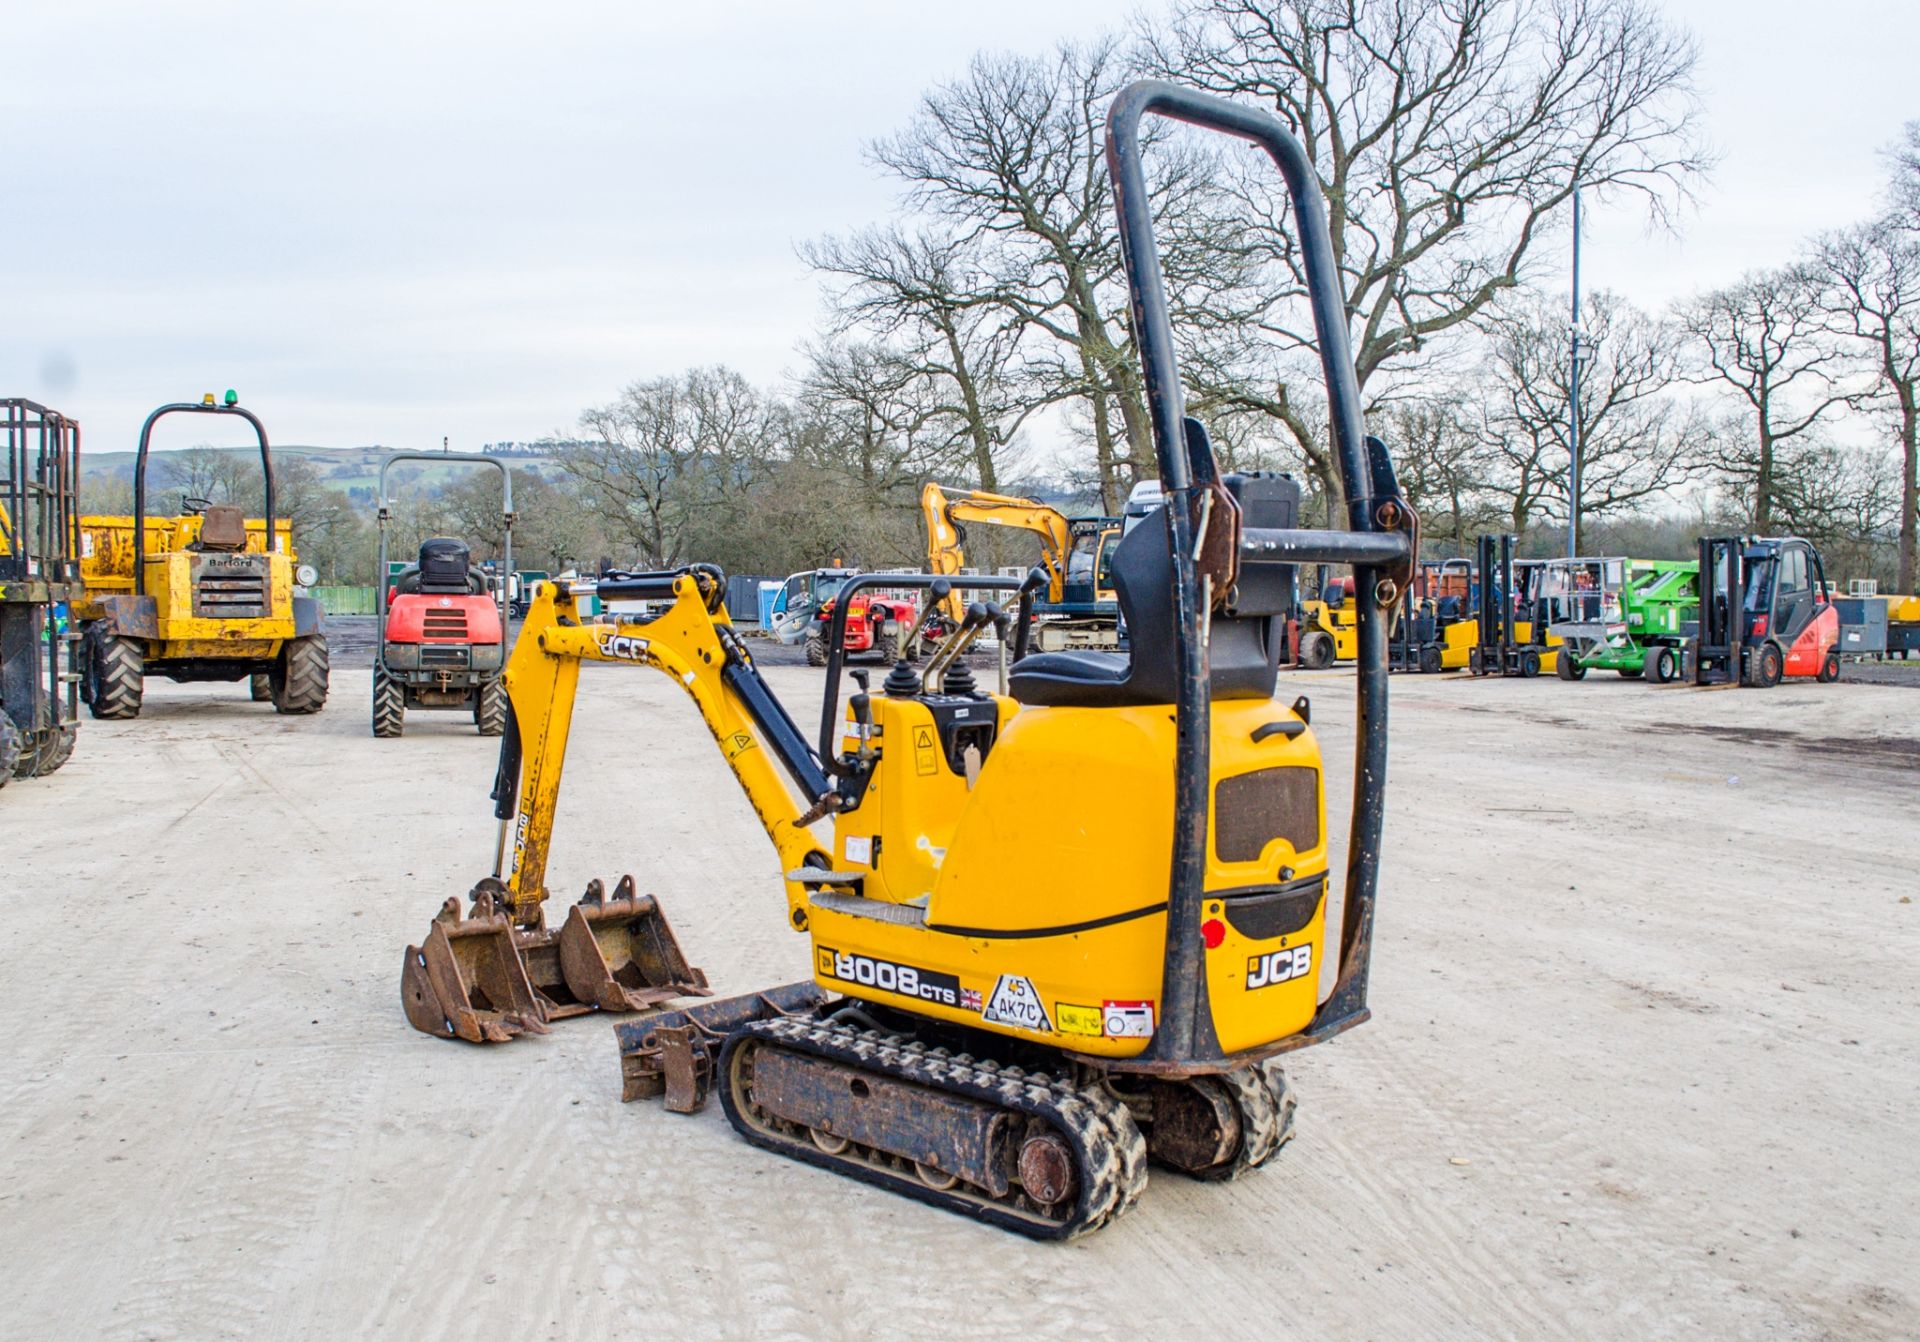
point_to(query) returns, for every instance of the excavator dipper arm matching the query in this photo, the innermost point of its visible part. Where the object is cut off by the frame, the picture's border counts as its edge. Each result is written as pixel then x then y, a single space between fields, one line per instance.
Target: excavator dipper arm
pixel 692 641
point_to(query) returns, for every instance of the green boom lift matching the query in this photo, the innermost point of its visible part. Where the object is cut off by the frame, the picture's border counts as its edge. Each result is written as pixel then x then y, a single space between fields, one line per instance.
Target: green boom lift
pixel 1626 615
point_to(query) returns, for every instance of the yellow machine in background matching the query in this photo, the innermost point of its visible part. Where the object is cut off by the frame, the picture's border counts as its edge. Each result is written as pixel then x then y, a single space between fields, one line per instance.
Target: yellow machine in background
pixel 1023 988
pixel 1079 609
pixel 209 596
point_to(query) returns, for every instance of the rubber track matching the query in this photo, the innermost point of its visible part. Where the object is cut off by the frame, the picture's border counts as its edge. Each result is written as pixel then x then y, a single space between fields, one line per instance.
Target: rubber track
pixel 119 677
pixel 490 707
pixel 1110 1152
pixel 1263 1098
pixel 389 704
pixel 305 688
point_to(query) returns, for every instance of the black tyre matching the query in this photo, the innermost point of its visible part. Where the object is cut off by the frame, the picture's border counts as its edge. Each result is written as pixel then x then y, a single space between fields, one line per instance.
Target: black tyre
pixel 1430 661
pixel 1767 666
pixel 9 749
pixel 1830 669
pixel 887 648
pixel 1316 651
pixel 116 676
pixel 260 687
pixel 299 680
pixel 490 707
pixel 1530 663
pixel 1663 666
pixel 389 703
pixel 1567 666
pixel 816 649
pixel 56 748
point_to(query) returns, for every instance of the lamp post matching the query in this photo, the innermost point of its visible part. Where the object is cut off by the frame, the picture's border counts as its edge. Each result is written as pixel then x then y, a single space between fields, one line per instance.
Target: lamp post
pixel 1573 395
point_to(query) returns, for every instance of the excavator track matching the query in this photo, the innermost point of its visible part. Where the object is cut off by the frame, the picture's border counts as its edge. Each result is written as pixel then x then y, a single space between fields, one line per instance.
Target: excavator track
pixel 1022 1150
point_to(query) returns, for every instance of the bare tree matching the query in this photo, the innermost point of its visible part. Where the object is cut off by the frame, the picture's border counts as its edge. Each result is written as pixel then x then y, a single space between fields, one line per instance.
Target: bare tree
pixel 1444 465
pixel 1008 158
pixel 665 456
pixel 1869 288
pixel 1763 342
pixel 1637 439
pixel 952 356
pixel 1446 137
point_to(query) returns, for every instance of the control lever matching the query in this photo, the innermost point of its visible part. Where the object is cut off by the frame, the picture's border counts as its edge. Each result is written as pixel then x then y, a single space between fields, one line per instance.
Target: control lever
pixel 956 643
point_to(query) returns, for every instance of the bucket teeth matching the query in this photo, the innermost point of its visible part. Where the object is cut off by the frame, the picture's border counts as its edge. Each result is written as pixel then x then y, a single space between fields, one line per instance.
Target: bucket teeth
pixel 483 978
pixel 618 953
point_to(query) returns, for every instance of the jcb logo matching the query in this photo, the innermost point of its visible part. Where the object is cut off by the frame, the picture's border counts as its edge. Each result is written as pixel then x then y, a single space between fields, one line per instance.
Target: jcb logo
pixel 1263 971
pixel 624 647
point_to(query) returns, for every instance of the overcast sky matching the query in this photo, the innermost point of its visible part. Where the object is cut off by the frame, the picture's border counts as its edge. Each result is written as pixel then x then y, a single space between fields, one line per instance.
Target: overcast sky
pixel 385 223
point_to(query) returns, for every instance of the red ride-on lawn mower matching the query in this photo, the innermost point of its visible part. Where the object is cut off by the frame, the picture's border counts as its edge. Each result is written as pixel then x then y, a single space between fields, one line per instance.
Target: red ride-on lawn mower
pixel 443 622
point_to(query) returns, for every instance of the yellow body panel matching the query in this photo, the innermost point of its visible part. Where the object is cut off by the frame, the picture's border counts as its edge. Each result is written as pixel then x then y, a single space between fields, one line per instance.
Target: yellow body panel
pixel 106 545
pixel 1071 900
pixel 1339 621
pixel 1456 644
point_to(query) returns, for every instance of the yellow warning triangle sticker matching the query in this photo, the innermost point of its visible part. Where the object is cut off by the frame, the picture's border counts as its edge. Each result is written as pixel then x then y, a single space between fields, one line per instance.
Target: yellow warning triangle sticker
pixel 923 738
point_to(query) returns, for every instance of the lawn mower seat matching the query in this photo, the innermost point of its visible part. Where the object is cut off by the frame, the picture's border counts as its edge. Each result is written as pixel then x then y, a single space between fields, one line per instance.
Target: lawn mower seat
pixel 1244 653
pixel 444 568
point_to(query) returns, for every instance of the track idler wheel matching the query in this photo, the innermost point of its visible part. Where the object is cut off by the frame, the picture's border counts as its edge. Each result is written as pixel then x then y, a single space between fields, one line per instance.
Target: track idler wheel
pixel 1220 1127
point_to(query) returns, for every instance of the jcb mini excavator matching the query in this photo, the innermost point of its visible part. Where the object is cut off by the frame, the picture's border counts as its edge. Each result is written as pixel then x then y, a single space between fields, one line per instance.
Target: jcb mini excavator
pixel 1023 990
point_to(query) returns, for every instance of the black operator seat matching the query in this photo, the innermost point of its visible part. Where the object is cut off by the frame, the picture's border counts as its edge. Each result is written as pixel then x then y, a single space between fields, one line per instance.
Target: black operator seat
pixel 444 568
pixel 1244 653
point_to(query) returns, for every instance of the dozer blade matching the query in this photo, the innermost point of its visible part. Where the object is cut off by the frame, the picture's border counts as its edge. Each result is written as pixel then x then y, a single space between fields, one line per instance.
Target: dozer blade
pixel 468 982
pixel 620 954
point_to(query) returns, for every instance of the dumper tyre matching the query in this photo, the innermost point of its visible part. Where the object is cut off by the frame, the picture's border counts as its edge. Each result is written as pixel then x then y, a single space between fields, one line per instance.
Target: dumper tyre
pixel 9 749
pixel 490 707
pixel 299 680
pixel 116 675
pixel 816 649
pixel 389 704
pixel 260 687
pixel 887 648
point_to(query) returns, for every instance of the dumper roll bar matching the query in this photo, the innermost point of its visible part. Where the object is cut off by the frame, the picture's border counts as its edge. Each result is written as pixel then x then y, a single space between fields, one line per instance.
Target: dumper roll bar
pixel 140 475
pixel 1381 545
pixel 382 516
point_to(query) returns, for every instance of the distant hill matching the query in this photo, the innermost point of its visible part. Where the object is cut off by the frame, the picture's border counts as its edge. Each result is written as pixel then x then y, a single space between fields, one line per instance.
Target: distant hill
pixel 352 470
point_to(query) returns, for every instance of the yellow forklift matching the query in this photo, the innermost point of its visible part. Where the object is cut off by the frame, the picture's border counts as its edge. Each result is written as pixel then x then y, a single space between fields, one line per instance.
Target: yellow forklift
pixel 210 595
pixel 1023 990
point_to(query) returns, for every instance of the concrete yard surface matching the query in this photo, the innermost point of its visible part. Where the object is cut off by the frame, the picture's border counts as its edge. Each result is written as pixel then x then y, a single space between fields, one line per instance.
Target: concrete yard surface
pixel 1645 1059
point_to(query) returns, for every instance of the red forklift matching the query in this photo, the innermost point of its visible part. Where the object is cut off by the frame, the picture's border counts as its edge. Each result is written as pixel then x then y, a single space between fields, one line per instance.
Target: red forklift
pixel 1764 613
pixel 442 621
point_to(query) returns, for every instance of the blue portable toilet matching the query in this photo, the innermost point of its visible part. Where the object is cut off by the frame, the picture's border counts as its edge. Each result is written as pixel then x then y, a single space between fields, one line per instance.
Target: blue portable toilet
pixel 769 602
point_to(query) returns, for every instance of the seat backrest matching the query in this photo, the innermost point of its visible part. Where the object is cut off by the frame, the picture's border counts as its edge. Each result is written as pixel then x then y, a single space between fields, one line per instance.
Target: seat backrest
pixel 223 527
pixel 444 566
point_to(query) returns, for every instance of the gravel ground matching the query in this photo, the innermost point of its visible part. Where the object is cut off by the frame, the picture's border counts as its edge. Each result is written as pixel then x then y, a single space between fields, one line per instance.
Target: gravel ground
pixel 1642 1064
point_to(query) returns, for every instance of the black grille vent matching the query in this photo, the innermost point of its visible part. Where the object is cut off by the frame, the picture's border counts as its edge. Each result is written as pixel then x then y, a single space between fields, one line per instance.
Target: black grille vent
pixel 1252 810
pixel 227 594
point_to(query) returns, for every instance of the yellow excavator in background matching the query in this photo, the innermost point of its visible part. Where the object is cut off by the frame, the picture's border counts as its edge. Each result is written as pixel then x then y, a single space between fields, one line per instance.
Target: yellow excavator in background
pixel 1022 989
pixel 1079 609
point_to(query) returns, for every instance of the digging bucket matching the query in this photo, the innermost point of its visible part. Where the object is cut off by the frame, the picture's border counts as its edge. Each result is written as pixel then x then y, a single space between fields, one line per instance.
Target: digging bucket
pixel 618 953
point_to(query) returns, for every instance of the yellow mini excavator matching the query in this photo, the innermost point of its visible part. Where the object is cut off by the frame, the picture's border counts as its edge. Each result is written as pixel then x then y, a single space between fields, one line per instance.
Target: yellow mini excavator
pixel 1023 990
pixel 1079 609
